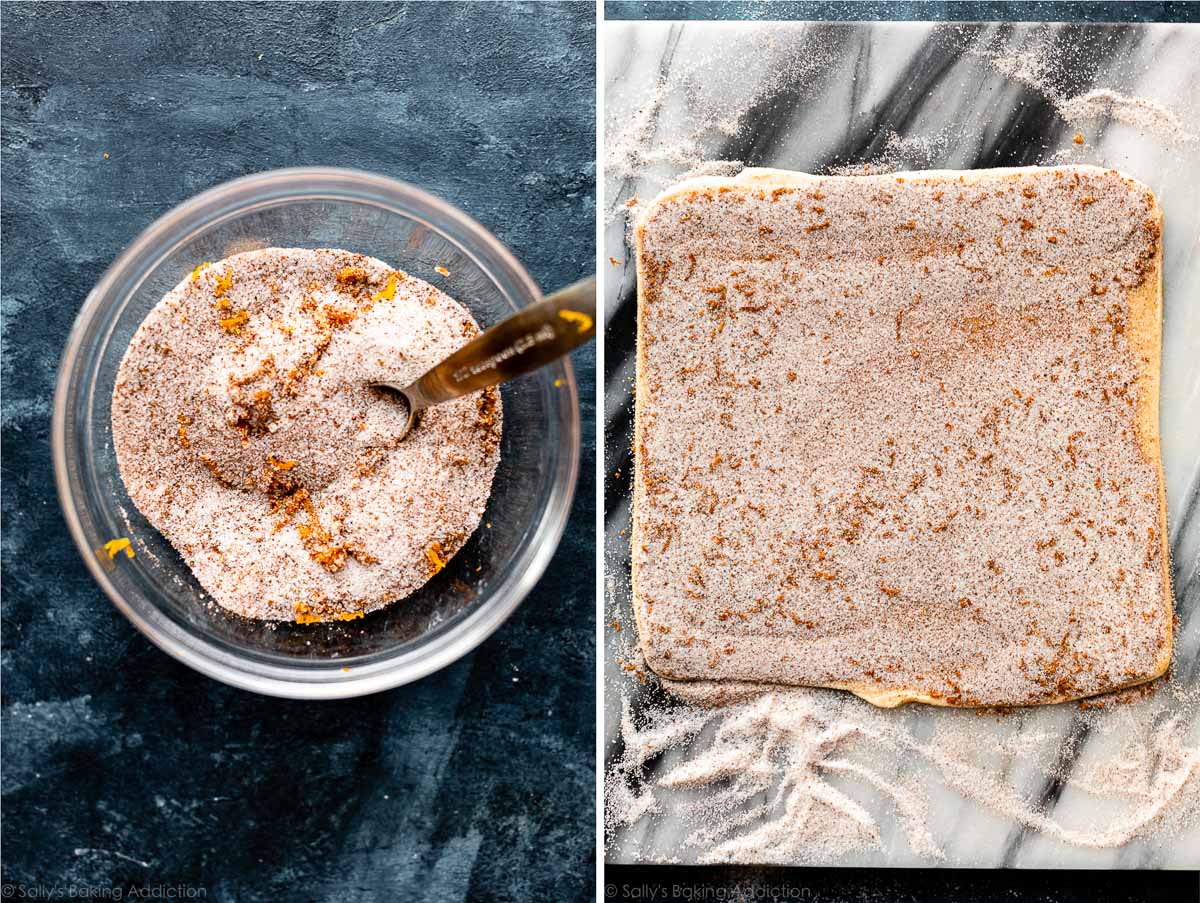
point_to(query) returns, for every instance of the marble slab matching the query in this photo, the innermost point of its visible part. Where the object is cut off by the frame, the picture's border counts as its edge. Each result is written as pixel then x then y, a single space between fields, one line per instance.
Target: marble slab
pixel 819 96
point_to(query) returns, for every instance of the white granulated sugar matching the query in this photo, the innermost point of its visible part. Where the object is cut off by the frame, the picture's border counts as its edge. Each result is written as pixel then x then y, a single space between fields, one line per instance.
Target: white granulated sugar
pixel 638 149
pixel 1144 115
pixel 1029 67
pixel 900 152
pixel 248 434
pixel 1033 67
pixel 771 780
pixel 624 804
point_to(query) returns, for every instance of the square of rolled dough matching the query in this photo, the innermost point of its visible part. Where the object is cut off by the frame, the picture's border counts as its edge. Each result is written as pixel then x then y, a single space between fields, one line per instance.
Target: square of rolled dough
pixel 898 434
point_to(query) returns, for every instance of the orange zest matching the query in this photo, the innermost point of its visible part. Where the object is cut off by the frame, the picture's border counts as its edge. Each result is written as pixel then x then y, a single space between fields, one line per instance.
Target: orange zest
pixel 305 615
pixel 114 546
pixel 388 292
pixel 233 324
pixel 581 320
pixel 433 554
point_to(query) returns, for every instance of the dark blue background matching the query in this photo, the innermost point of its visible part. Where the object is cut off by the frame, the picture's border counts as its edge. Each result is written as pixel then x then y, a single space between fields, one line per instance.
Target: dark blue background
pixel 122 767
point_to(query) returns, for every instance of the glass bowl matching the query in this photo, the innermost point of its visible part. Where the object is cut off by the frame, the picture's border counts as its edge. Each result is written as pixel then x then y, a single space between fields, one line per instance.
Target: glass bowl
pixel 461 605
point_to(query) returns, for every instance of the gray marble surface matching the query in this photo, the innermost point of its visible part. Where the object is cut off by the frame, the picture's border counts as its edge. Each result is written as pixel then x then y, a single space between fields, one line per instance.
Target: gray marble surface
pixel 816 97
pixel 122 769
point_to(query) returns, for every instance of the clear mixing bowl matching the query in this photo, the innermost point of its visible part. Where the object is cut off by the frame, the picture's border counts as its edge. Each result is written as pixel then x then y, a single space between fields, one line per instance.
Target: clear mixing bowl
pixel 482 584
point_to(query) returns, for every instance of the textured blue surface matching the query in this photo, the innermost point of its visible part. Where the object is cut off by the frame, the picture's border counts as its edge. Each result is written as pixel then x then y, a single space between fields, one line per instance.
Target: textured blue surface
pixel 122 767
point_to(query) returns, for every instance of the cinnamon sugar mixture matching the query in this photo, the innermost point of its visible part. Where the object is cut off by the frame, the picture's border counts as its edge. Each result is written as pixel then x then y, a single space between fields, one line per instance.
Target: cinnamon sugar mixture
pixel 898 434
pixel 247 432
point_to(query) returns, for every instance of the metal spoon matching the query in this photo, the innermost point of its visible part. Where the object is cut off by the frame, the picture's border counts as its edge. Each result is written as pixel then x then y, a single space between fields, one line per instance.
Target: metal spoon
pixel 529 339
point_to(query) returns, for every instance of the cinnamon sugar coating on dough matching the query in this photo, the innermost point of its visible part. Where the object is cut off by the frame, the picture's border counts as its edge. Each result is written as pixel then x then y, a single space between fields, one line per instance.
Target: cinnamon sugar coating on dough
pixel 248 434
pixel 898 434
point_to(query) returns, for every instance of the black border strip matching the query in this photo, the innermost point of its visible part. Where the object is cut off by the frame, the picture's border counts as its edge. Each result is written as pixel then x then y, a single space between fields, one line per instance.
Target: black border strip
pixel 689 884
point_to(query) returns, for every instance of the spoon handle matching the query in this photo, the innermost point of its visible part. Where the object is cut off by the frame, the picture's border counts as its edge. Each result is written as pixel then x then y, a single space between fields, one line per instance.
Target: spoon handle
pixel 529 339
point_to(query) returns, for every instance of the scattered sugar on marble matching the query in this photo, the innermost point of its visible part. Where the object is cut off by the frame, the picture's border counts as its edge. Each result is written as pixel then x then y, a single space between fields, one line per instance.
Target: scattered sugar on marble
pixel 775 779
pixel 1033 67
pixel 1138 112
pixel 790 60
pixel 900 152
